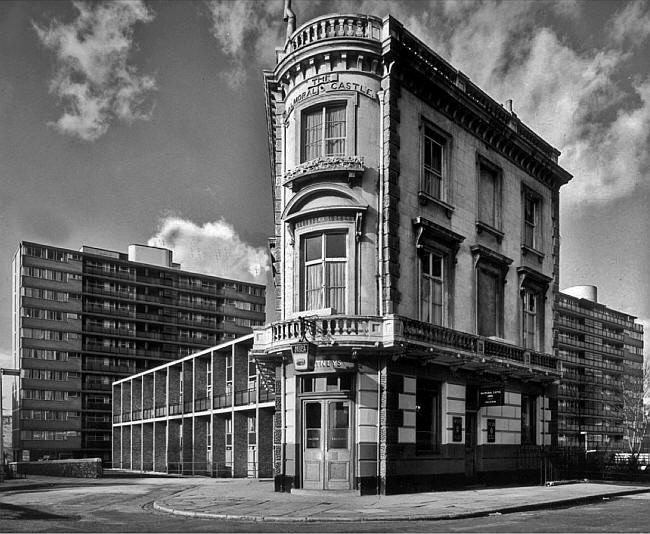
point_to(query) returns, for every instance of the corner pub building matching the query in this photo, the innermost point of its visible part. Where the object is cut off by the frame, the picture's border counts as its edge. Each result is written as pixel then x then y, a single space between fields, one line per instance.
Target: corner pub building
pixel 416 255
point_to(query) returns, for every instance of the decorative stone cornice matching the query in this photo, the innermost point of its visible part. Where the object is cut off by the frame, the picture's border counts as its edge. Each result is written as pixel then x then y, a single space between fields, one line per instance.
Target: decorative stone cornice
pixel 421 71
pixel 351 166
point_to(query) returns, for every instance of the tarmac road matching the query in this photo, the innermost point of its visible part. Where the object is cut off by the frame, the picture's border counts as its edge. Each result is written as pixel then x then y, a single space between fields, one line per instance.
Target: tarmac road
pixel 114 505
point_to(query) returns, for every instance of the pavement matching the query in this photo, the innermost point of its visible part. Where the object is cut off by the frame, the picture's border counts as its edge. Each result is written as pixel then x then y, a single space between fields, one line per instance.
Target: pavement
pixel 255 500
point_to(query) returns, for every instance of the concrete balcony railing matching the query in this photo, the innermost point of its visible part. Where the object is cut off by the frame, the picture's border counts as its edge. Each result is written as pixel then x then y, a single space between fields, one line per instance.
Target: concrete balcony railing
pixel 405 335
pixel 332 27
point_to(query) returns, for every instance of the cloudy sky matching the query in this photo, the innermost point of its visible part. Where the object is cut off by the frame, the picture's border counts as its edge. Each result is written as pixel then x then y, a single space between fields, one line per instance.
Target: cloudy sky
pixel 143 122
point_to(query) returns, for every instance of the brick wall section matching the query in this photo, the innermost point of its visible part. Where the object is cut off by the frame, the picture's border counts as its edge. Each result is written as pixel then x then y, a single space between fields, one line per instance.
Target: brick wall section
pixel 126 397
pixel 240 444
pixel 173 445
pixel 188 393
pixel 147 446
pixel 174 389
pixel 136 447
pixel 240 368
pixel 147 392
pixel 199 445
pixel 117 399
pixel 264 443
pixel 136 394
pixel 218 443
pixel 200 377
pixel 126 447
pixel 160 388
pixel 117 447
pixel 219 373
pixel 80 468
pixel 160 446
pixel 187 446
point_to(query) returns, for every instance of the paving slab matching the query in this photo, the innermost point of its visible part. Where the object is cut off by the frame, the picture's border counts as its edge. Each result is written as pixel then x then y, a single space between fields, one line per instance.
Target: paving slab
pixel 255 500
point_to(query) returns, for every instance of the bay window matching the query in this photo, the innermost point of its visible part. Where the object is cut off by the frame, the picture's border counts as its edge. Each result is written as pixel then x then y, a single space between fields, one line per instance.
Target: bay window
pixel 323 271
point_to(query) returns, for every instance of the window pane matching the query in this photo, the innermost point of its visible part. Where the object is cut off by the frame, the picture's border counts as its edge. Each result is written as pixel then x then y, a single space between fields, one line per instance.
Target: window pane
pixel 488 286
pixel 312 134
pixel 433 154
pixel 335 131
pixel 436 266
pixel 313 287
pixel 312 415
pixel 487 196
pixel 431 288
pixel 313 424
pixel 335 246
pixel 437 303
pixel 335 285
pixel 425 300
pixel 339 423
pixel 313 248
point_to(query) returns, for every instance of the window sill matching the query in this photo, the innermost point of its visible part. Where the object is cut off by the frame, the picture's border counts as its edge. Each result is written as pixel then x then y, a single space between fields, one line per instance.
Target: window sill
pixel 425 198
pixel 525 249
pixel 484 227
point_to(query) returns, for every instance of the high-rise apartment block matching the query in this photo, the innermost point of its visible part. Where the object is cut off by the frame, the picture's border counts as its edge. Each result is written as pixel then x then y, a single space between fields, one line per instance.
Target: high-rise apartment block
pixel 83 319
pixel 601 351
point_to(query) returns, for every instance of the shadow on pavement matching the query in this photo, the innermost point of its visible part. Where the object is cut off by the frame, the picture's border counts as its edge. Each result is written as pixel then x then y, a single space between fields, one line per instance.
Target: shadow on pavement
pixel 10 512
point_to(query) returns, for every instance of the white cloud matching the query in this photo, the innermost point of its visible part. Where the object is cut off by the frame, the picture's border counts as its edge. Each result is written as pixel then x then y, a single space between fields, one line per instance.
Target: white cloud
pixel 248 31
pixel 576 100
pixel 93 78
pixel 632 24
pixel 214 248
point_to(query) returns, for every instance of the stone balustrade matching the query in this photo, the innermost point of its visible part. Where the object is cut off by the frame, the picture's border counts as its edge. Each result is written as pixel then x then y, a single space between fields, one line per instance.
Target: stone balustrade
pixel 400 333
pixel 335 26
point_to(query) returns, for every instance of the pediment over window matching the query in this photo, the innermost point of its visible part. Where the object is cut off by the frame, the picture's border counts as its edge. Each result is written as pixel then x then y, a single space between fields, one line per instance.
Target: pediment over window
pixel 488 256
pixel 433 236
pixel 322 203
pixel 530 278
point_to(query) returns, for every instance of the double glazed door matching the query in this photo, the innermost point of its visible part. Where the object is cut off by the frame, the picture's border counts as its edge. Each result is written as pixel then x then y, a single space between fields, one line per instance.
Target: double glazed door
pixel 326 444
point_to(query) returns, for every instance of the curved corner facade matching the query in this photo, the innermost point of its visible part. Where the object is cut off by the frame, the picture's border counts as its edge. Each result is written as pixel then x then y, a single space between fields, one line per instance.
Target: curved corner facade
pixel 416 256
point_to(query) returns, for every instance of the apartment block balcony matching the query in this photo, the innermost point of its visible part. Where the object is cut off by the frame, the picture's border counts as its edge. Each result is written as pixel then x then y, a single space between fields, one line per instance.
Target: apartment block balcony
pixel 406 337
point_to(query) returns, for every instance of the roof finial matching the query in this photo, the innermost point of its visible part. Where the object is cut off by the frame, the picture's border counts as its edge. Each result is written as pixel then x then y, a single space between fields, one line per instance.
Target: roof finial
pixel 289 18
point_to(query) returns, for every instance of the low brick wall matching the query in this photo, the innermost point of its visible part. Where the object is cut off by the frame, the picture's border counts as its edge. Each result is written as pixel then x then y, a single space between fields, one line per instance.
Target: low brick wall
pixel 76 468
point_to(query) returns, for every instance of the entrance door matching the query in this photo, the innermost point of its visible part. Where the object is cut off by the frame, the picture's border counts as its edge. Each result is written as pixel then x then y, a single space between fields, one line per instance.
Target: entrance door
pixel 470 444
pixel 326 451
